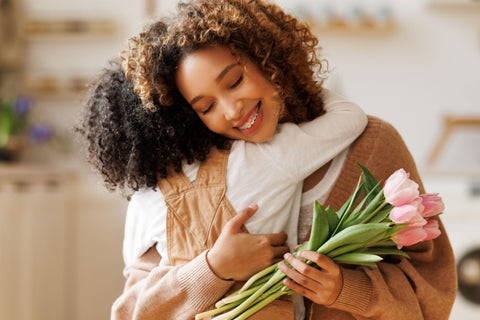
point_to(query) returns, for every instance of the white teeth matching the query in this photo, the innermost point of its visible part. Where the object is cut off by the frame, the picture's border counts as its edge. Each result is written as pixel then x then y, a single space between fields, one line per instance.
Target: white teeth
pixel 252 121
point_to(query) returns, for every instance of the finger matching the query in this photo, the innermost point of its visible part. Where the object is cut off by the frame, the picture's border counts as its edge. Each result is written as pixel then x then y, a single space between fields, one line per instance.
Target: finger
pixel 299 289
pixel 299 283
pixel 321 260
pixel 239 220
pixel 304 270
pixel 277 239
pixel 280 251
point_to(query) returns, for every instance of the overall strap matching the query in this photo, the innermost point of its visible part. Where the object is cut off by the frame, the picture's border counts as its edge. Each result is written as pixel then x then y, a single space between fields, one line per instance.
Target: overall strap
pixel 213 171
pixel 175 183
pixel 196 213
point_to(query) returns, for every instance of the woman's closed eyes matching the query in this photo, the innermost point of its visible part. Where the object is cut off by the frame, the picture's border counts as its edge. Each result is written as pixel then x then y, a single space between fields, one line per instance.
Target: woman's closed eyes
pixel 237 82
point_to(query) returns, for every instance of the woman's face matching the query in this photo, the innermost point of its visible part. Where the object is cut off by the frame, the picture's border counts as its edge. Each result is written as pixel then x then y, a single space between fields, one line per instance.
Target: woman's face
pixel 231 98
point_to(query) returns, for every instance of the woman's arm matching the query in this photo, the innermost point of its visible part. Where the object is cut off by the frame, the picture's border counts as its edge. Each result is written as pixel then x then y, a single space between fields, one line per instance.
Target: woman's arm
pixel 180 292
pixel 153 292
pixel 422 287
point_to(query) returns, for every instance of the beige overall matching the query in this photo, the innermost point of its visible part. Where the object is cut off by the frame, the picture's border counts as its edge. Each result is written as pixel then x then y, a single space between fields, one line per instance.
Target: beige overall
pixel 196 215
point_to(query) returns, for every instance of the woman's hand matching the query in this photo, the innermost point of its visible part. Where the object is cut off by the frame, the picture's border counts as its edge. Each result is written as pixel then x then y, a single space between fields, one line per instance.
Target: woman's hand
pixel 237 255
pixel 322 286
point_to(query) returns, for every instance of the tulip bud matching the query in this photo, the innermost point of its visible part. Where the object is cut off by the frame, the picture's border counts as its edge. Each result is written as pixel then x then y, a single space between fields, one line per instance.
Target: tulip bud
pixel 432 204
pixel 409 236
pixel 408 213
pixel 432 229
pixel 399 189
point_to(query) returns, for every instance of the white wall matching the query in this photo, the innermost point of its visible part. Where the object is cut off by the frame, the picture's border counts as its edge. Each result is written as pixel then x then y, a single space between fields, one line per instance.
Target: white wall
pixel 427 67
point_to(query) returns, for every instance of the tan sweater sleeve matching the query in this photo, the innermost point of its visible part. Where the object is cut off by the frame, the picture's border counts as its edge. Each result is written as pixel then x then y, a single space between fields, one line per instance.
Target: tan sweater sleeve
pixel 158 292
pixel 422 287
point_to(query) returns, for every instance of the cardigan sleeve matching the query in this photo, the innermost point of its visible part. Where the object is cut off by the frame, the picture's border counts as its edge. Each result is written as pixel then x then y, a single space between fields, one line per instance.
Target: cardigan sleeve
pixel 422 287
pixel 153 292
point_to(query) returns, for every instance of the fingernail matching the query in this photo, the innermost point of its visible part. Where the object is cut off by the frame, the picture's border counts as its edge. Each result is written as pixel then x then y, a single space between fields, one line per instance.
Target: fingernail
pixel 287 255
pixel 253 206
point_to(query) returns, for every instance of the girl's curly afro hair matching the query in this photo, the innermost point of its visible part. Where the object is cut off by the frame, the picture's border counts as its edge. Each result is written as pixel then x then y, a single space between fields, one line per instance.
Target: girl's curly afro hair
pixel 130 145
pixel 138 126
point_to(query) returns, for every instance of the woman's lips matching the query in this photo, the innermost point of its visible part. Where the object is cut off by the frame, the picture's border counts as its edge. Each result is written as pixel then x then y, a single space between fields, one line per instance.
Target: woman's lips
pixel 253 120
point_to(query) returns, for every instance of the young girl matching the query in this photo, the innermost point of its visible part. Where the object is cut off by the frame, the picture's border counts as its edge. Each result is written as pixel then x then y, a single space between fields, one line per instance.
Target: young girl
pixel 231 70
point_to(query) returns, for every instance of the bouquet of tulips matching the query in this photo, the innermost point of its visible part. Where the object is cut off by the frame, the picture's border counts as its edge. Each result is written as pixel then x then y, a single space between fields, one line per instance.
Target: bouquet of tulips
pixel 360 233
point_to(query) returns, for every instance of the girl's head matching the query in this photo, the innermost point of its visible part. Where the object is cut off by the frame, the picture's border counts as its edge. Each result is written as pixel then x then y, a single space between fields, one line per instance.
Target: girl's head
pixel 156 113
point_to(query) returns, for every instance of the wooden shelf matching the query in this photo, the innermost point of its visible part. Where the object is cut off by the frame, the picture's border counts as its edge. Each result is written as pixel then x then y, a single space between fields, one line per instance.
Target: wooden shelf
pixel 451 123
pixel 50 87
pixel 364 27
pixel 454 4
pixel 41 28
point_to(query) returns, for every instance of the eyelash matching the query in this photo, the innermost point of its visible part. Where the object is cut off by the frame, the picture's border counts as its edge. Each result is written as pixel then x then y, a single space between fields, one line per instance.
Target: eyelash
pixel 233 86
pixel 204 112
pixel 239 80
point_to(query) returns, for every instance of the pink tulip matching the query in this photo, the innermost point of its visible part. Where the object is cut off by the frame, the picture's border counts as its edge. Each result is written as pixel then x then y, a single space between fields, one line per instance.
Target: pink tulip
pixel 399 189
pixel 407 214
pixel 409 235
pixel 432 204
pixel 432 229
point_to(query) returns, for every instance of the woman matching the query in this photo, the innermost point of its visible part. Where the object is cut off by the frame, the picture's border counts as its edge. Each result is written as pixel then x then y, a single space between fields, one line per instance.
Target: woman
pixel 250 35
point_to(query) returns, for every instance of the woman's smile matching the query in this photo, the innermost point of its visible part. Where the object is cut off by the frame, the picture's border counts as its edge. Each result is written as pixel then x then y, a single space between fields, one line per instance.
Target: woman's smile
pixel 252 121
pixel 230 95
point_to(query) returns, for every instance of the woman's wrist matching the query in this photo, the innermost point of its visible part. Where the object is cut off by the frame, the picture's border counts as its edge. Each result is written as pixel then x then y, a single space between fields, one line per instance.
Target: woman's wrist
pixel 213 265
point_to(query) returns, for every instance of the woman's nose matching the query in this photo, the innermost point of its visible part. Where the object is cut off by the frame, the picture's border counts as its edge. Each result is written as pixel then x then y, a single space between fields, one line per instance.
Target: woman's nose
pixel 232 110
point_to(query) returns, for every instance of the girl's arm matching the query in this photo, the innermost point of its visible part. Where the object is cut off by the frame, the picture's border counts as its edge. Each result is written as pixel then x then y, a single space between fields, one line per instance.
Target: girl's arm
pixel 300 149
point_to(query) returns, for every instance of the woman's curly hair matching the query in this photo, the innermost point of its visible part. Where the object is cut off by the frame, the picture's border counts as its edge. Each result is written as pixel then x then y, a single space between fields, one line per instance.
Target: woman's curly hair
pixel 138 126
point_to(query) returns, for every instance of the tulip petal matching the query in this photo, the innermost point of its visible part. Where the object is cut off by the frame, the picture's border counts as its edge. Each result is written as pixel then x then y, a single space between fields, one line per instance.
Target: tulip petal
pixel 409 236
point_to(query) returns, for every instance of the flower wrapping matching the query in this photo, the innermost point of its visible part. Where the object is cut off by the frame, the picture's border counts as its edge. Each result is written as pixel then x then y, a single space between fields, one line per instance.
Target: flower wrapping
pixel 362 232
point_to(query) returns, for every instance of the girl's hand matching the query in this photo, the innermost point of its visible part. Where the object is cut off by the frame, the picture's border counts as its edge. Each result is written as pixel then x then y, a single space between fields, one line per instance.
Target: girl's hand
pixel 322 286
pixel 237 255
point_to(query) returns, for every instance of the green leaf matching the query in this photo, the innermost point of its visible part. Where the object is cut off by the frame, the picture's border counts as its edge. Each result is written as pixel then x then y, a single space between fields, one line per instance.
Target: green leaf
pixel 362 233
pixel 394 228
pixel 347 206
pixel 375 205
pixel 333 220
pixel 370 183
pixel 320 227
pixel 386 251
pixel 381 215
pixel 346 249
pixel 358 259
pixel 386 243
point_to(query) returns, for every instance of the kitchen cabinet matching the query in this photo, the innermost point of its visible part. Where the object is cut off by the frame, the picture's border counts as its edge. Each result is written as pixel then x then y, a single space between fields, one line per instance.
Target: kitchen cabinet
pixel 60 244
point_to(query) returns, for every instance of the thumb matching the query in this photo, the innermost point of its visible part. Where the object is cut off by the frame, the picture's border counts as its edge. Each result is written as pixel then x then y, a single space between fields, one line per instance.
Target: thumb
pixel 236 223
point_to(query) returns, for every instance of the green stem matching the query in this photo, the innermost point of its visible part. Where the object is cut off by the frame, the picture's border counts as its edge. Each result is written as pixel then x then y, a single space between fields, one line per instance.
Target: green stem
pixel 380 207
pixel 236 296
pixel 260 305
pixel 258 276
pixel 253 299
pixel 214 312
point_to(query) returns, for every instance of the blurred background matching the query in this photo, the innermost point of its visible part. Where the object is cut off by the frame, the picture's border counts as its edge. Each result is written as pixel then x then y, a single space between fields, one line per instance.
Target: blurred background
pixel 414 63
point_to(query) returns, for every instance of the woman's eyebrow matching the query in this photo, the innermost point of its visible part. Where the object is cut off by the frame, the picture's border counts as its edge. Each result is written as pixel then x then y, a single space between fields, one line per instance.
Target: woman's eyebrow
pixel 225 71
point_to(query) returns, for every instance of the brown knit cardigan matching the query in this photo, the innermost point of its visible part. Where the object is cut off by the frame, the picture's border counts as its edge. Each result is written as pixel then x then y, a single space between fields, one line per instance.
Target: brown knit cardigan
pixel 422 287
